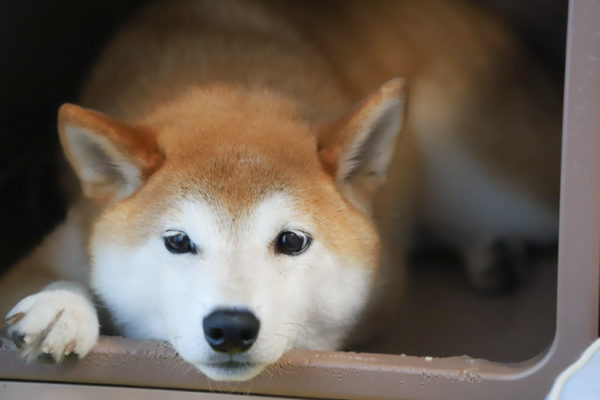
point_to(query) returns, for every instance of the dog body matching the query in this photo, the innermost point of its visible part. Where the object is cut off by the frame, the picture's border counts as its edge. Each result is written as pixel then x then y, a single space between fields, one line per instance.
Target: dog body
pixel 232 167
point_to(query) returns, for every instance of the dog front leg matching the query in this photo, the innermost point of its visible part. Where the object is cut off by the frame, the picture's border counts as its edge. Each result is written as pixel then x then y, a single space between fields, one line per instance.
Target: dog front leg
pixel 59 318
pixel 58 321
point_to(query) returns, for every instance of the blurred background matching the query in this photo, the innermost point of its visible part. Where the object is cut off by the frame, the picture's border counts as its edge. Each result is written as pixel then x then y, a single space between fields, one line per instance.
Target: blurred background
pixel 47 49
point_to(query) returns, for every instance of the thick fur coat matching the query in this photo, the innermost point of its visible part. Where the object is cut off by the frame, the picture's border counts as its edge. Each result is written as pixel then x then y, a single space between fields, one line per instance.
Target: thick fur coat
pixel 255 157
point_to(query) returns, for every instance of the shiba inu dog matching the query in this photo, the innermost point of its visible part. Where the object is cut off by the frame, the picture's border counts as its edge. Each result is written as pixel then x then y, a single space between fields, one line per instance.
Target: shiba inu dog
pixel 231 156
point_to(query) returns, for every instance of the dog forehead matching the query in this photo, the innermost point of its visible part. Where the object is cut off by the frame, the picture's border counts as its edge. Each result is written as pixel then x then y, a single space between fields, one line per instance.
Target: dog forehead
pixel 263 218
pixel 235 146
pixel 233 184
pixel 236 173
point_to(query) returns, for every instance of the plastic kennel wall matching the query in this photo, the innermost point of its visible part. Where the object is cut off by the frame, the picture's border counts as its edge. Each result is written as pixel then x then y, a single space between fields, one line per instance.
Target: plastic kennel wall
pixel 129 369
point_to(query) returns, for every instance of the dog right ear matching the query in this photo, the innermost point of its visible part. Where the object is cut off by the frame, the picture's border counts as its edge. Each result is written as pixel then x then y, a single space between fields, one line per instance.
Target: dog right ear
pixel 111 159
pixel 357 148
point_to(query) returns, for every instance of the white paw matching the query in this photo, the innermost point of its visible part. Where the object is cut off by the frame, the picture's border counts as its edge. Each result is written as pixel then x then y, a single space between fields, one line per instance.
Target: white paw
pixel 53 324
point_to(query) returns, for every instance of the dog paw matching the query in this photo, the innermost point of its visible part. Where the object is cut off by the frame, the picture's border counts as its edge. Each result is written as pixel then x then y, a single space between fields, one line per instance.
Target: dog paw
pixel 53 324
pixel 497 266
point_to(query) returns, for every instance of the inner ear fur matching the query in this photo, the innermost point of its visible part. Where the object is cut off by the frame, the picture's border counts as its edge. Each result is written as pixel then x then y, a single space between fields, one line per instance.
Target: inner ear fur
pixel 357 148
pixel 111 159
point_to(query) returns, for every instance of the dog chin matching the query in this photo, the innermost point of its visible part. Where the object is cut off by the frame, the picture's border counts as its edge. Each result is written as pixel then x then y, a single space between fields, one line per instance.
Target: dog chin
pixel 230 370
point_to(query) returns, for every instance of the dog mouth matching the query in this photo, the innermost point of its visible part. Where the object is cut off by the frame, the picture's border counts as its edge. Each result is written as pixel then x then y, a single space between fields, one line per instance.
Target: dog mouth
pixel 233 365
pixel 231 370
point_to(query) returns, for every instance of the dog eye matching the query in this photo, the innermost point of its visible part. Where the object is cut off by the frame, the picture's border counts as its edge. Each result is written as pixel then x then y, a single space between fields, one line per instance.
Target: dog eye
pixel 292 243
pixel 179 243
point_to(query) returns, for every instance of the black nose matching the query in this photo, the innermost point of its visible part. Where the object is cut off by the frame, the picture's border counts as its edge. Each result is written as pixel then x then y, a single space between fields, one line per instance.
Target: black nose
pixel 230 331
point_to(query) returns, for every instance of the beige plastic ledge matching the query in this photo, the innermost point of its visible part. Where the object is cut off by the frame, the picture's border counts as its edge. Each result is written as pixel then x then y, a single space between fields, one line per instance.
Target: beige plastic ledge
pixel 150 364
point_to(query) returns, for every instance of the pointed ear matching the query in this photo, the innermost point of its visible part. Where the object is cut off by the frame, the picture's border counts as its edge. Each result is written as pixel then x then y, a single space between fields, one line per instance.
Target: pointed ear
pixel 111 159
pixel 357 148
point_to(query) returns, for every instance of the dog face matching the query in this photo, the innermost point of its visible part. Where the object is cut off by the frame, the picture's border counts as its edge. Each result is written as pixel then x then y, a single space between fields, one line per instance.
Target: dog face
pixel 234 233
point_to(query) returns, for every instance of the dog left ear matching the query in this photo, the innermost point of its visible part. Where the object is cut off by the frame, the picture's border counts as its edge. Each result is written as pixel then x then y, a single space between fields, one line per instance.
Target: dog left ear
pixel 112 159
pixel 358 148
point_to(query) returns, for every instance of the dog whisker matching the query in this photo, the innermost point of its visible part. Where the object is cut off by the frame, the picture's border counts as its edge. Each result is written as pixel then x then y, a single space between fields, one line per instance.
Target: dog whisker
pixel 304 330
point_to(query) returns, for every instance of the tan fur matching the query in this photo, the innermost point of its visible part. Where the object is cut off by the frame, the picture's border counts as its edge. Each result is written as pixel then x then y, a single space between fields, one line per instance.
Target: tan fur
pixel 60 257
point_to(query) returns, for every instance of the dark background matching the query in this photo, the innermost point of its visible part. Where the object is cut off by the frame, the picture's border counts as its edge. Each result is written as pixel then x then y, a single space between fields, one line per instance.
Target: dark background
pixel 46 50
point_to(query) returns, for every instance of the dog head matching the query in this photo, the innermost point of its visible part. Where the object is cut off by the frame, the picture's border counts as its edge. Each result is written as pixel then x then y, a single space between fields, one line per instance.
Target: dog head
pixel 233 227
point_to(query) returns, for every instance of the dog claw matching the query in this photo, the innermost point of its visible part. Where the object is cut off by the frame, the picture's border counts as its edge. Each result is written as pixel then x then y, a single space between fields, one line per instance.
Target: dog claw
pixel 14 318
pixel 19 339
pixel 47 358
pixel 72 356
pixel 70 347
